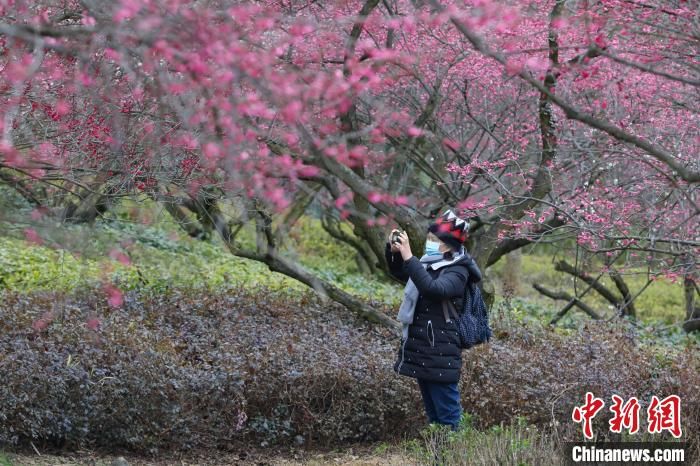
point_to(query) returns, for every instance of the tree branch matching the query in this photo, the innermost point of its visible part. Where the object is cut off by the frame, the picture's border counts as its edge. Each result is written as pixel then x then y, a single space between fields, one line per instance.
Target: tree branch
pixel 572 301
pixel 656 151
pixel 563 266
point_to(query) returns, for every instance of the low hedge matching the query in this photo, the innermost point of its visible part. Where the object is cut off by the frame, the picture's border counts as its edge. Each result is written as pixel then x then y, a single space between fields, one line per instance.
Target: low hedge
pixel 194 370
pixel 191 369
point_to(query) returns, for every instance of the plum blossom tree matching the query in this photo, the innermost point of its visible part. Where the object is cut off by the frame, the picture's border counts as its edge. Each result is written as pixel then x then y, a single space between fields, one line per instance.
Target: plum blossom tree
pixel 541 121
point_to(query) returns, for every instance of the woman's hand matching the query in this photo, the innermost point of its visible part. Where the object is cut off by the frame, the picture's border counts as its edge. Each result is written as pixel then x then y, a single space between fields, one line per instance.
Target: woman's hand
pixel 404 247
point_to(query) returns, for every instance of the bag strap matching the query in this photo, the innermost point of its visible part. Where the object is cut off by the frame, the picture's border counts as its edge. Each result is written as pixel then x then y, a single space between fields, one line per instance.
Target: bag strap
pixel 447 303
pixel 444 311
pixel 479 303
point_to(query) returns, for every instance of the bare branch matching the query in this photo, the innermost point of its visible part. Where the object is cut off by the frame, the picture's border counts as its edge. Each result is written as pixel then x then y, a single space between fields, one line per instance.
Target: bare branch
pixel 572 301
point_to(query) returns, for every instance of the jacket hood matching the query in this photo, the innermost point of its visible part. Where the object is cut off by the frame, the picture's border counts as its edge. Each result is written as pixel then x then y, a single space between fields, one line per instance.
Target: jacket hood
pixel 474 272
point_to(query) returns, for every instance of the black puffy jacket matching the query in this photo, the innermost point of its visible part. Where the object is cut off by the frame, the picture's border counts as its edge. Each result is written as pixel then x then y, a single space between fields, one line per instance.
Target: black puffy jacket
pixel 432 351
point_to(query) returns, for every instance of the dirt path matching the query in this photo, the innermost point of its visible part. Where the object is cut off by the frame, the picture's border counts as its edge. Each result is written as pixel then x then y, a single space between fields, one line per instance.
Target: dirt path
pixel 365 456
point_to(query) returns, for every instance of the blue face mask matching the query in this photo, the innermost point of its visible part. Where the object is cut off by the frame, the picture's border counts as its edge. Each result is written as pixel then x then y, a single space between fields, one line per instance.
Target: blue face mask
pixel 432 248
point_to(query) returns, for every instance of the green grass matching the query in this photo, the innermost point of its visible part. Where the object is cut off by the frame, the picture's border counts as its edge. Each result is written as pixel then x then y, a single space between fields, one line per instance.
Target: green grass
pixel 517 444
pixel 162 256
pixel 27 267
pixel 661 302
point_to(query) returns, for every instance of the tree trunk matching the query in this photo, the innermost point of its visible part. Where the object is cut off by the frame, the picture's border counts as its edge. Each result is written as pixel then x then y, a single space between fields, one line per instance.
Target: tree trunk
pixel 512 273
pixel 690 288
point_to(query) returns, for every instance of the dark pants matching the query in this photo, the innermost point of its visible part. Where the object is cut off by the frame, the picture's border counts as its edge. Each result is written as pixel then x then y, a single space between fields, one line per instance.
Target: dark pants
pixel 441 402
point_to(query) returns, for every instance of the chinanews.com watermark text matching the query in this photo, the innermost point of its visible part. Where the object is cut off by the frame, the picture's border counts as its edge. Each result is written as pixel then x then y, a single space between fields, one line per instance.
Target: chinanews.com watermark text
pixel 661 415
pixel 600 453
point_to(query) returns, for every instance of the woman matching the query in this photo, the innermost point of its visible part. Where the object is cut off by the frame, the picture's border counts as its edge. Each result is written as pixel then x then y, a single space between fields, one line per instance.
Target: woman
pixel 430 349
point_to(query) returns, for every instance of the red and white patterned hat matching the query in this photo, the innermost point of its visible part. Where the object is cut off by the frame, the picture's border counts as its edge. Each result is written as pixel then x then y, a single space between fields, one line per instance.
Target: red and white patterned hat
pixel 450 229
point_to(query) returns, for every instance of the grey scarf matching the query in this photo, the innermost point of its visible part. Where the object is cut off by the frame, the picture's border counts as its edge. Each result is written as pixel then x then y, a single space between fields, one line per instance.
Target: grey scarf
pixel 410 292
